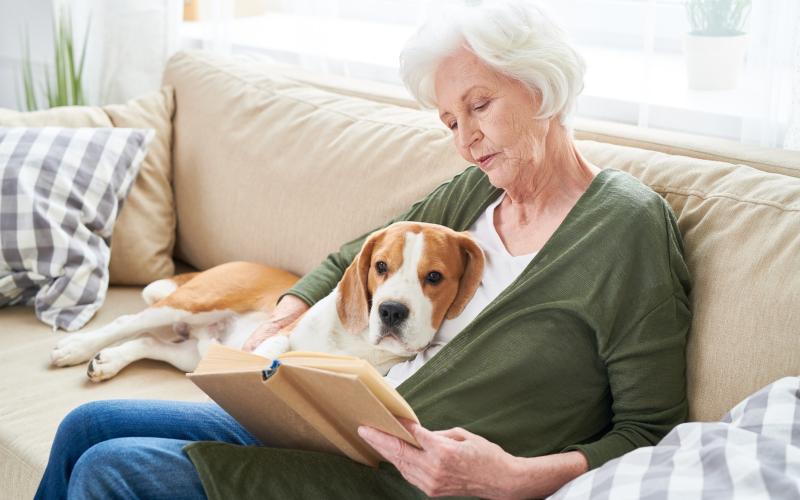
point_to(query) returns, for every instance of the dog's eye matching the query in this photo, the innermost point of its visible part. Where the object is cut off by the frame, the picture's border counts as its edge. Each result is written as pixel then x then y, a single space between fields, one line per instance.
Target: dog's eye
pixel 433 277
pixel 380 266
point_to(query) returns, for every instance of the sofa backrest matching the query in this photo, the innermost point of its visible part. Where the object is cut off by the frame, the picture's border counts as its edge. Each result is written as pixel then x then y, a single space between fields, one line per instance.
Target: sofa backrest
pixel 279 167
pixel 282 173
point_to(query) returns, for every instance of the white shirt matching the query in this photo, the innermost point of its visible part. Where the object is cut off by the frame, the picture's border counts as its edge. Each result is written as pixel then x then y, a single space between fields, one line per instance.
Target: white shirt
pixel 500 270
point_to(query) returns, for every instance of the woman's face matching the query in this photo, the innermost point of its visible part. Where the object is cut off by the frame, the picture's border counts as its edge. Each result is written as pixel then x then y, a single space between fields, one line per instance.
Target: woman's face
pixel 491 117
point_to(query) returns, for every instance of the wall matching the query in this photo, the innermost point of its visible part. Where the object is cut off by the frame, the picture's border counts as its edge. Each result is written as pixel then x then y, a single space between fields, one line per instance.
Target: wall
pixel 14 16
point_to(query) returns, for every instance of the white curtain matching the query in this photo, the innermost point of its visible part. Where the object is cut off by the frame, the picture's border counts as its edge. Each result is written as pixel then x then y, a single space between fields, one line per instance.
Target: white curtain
pixel 792 139
pixel 770 66
pixel 633 49
pixel 128 46
pixel 215 32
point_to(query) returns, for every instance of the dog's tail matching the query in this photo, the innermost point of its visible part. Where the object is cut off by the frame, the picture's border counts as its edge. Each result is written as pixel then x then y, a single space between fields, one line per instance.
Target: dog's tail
pixel 160 289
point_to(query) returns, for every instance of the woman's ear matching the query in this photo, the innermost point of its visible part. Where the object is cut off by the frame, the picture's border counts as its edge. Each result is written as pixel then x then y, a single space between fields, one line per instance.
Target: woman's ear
pixel 473 273
pixel 353 301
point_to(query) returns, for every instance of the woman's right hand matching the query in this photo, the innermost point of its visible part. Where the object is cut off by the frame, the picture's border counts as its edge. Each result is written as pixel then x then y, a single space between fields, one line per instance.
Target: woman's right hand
pixel 288 309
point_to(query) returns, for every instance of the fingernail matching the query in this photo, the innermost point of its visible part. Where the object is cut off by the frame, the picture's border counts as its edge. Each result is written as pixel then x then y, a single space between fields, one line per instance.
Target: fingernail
pixel 363 431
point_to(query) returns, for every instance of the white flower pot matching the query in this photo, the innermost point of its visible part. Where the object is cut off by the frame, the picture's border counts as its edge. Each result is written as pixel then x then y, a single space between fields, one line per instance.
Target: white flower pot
pixel 714 62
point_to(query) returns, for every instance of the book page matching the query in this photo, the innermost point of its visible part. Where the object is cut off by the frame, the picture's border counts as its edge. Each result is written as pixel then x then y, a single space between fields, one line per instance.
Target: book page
pixel 220 358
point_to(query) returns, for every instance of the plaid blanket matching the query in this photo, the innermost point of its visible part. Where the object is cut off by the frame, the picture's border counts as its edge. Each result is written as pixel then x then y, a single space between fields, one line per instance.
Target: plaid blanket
pixel 753 453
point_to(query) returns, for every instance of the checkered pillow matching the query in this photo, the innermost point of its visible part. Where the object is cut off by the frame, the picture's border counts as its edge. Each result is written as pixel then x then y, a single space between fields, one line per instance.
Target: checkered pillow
pixel 60 192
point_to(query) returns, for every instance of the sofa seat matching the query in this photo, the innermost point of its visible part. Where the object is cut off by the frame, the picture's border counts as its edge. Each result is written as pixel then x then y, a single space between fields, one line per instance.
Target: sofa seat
pixel 34 397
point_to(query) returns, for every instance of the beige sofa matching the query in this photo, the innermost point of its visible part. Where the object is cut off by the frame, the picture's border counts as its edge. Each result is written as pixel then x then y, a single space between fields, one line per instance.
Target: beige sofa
pixel 280 166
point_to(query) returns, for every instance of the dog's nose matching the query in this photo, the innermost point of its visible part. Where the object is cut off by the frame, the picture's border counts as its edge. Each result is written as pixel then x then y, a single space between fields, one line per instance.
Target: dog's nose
pixel 392 313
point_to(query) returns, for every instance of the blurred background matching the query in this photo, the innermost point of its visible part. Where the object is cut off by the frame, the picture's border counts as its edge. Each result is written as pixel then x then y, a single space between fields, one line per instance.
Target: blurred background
pixel 679 65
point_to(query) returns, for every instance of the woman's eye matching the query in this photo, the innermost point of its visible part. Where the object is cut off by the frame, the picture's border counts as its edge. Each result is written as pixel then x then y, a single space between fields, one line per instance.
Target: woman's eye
pixel 381 267
pixel 453 126
pixel 433 277
pixel 481 106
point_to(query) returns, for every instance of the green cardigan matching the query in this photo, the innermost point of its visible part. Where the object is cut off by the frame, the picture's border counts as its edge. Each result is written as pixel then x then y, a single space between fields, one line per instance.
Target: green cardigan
pixel 585 350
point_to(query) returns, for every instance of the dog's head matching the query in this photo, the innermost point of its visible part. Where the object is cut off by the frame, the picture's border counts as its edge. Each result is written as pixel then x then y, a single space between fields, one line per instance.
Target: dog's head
pixel 405 281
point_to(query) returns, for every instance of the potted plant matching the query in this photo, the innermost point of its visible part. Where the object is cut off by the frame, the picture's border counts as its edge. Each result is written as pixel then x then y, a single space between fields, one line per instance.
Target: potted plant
pixel 66 87
pixel 716 44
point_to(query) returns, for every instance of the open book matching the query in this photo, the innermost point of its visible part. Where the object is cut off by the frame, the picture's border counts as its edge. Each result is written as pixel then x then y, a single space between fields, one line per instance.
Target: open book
pixel 304 400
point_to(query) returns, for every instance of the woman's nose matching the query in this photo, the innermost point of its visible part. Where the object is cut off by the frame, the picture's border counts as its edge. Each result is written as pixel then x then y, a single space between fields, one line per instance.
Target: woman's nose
pixel 467 134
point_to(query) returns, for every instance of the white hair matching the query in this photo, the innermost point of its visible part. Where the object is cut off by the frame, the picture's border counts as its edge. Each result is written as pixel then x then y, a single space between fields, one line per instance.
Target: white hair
pixel 515 37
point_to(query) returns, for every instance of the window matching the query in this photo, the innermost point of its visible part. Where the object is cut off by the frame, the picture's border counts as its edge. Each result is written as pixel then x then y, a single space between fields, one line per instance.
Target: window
pixel 633 48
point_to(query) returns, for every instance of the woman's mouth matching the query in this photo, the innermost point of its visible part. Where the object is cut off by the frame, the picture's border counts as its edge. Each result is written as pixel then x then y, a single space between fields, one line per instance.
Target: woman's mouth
pixel 484 161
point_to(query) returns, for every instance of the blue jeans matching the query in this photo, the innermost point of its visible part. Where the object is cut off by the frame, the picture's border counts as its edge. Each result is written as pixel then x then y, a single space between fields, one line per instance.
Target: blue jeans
pixel 133 449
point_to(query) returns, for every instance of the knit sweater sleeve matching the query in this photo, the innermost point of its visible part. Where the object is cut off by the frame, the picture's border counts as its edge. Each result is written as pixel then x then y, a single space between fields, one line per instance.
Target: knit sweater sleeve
pixel 646 360
pixel 444 205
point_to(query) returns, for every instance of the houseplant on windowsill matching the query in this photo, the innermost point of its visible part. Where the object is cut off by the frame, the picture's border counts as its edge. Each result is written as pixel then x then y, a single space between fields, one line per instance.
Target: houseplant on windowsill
pixel 716 44
pixel 66 88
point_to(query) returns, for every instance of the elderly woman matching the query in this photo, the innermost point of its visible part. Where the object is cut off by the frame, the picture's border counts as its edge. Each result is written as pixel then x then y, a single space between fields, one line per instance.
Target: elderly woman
pixel 570 354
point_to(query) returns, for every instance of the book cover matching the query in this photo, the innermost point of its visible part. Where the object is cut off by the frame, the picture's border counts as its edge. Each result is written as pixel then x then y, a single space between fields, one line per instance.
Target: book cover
pixel 302 400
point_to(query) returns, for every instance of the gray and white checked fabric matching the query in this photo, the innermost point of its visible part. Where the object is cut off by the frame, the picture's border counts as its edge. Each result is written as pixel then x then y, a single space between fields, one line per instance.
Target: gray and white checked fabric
pixel 753 453
pixel 60 192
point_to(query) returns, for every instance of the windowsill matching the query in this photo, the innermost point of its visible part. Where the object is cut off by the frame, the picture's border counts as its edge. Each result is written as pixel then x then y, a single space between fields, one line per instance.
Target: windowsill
pixel 369 51
pixel 665 84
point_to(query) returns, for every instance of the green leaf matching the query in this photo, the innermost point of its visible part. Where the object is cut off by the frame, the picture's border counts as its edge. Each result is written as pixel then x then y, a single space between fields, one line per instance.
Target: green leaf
pixel 81 61
pixel 51 98
pixel 66 87
pixel 717 17
pixel 27 75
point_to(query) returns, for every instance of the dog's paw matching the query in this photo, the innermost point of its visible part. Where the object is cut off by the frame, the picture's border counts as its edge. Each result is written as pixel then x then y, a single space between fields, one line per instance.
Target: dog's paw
pixel 104 365
pixel 273 346
pixel 71 350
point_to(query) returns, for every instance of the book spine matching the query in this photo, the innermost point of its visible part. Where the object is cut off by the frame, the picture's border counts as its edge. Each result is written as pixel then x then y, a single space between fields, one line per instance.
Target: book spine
pixel 270 371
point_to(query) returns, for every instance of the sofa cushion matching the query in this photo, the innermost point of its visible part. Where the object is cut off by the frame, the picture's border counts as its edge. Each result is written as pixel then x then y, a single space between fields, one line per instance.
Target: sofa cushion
pixel 143 239
pixel 62 189
pixel 34 397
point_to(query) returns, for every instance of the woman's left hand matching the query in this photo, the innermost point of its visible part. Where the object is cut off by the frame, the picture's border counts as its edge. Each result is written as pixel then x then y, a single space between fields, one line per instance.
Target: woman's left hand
pixel 451 462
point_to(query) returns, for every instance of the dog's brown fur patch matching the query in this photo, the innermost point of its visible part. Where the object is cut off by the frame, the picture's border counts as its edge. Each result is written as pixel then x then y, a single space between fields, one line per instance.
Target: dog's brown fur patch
pixel 236 286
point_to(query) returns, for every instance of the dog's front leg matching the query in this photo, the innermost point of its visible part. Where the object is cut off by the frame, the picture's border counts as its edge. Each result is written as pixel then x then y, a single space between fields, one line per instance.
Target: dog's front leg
pixel 272 347
pixel 108 362
pixel 81 346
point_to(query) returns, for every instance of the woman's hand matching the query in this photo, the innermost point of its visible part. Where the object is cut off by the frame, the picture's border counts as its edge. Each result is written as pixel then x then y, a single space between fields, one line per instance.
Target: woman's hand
pixel 458 462
pixel 287 310
pixel 451 462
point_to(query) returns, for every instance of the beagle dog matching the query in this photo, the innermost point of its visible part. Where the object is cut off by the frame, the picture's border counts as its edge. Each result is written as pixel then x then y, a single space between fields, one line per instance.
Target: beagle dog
pixel 389 304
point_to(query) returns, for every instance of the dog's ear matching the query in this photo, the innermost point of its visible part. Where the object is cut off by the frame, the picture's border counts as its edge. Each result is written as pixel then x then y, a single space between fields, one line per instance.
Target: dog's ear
pixel 473 272
pixel 352 304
